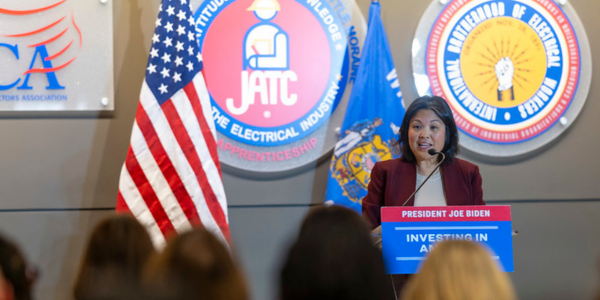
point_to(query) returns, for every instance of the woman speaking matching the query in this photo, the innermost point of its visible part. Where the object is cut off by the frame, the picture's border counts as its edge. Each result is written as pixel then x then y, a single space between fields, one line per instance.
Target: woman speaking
pixel 428 124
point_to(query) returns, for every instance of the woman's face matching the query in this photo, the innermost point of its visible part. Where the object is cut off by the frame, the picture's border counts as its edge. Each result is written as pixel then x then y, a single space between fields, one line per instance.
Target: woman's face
pixel 426 130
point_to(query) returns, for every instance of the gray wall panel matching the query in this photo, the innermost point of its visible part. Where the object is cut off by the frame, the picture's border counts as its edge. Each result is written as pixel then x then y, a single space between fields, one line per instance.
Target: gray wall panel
pixel 292 189
pixel 557 249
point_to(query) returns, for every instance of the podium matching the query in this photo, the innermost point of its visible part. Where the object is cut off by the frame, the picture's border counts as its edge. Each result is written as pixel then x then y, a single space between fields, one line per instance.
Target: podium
pixel 410 233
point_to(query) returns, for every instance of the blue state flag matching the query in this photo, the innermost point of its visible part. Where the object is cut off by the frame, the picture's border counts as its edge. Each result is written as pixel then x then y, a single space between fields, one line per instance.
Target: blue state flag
pixel 372 120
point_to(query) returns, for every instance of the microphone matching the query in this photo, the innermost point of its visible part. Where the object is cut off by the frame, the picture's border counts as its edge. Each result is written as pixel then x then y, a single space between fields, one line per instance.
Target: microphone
pixel 431 152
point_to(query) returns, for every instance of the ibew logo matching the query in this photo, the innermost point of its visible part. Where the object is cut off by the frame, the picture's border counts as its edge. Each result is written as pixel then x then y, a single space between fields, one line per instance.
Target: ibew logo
pixel 48 46
pixel 509 69
pixel 266 54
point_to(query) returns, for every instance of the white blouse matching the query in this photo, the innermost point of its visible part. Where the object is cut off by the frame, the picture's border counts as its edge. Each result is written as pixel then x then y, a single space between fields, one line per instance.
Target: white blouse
pixel 432 193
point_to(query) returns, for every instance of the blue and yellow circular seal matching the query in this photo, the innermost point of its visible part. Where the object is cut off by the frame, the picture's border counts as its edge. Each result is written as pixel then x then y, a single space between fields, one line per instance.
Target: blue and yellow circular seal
pixel 508 69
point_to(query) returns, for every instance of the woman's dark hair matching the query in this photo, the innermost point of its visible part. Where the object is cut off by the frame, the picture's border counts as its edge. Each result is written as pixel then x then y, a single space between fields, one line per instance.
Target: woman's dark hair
pixel 333 258
pixel 439 106
pixel 14 269
pixel 116 255
pixel 196 265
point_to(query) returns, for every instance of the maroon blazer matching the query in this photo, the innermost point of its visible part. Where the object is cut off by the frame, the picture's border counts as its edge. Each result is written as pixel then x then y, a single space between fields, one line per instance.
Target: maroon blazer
pixel 393 181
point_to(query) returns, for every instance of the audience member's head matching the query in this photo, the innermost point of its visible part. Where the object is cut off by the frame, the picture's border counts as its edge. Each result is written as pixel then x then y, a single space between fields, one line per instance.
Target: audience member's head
pixel 196 265
pixel 115 258
pixel 16 278
pixel 459 270
pixel 333 258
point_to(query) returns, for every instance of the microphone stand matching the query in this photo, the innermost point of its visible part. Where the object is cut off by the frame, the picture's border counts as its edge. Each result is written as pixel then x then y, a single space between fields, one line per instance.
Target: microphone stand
pixel 431 152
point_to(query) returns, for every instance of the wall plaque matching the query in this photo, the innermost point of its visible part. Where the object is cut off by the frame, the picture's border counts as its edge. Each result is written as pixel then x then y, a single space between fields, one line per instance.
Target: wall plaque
pixel 56 55
pixel 516 73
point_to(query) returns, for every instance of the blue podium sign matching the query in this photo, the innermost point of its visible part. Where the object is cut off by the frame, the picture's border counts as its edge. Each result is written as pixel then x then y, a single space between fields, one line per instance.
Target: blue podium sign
pixel 409 233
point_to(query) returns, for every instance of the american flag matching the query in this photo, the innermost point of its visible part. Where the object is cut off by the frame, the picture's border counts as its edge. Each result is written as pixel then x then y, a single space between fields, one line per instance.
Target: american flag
pixel 171 178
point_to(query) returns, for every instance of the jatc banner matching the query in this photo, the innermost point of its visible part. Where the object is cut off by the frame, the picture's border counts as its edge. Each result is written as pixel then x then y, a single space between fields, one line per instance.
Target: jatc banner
pixel 276 71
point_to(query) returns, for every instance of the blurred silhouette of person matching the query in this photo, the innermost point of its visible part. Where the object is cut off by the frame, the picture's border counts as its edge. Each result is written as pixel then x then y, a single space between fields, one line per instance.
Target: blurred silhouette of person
pixel 16 275
pixel 334 258
pixel 196 265
pixel 115 257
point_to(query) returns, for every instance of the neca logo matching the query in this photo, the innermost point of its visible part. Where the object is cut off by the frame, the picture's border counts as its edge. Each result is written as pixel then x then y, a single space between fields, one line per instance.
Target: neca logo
pixel 30 45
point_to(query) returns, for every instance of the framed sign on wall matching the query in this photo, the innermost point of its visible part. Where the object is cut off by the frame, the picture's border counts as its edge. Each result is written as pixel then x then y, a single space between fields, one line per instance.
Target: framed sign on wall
pixel 277 72
pixel 516 73
pixel 56 55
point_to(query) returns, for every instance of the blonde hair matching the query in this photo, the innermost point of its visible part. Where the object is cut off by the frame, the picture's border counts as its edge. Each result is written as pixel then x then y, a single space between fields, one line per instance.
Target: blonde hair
pixel 459 270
